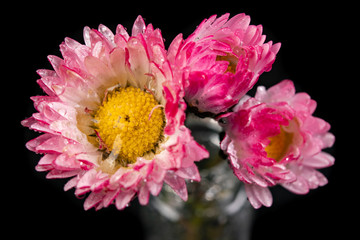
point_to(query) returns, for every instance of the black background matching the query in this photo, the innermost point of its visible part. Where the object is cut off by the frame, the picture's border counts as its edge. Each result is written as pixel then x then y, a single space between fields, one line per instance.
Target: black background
pixel 319 44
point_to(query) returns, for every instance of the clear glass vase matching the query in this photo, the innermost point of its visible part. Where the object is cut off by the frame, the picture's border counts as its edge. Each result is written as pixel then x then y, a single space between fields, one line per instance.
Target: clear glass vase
pixel 217 207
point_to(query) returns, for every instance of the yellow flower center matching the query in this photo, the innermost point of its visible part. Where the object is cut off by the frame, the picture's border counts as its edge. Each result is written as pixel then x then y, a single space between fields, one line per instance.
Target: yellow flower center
pixel 129 124
pixel 233 61
pixel 279 145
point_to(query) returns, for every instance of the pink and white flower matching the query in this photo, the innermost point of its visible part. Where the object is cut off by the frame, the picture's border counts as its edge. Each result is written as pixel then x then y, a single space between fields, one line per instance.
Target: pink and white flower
pixel 221 61
pixel 274 139
pixel 74 144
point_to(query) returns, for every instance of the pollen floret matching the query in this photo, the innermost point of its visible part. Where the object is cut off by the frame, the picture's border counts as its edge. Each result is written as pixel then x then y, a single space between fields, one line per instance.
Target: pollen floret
pixel 129 123
pixel 279 144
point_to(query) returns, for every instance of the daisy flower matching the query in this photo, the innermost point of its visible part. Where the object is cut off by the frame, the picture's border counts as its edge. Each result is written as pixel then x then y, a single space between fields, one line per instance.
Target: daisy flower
pixel 274 139
pixel 113 118
pixel 221 61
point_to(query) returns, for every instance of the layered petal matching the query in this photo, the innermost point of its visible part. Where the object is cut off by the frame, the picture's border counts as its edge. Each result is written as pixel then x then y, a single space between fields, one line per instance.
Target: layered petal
pixel 78 87
pixel 273 139
pixel 221 61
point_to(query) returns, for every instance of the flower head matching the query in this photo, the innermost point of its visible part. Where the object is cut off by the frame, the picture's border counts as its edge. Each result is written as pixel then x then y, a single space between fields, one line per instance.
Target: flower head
pixel 221 61
pixel 274 139
pixel 113 118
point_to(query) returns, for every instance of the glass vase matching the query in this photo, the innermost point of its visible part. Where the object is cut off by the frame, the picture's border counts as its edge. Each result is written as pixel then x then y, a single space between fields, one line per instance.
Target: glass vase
pixel 217 207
